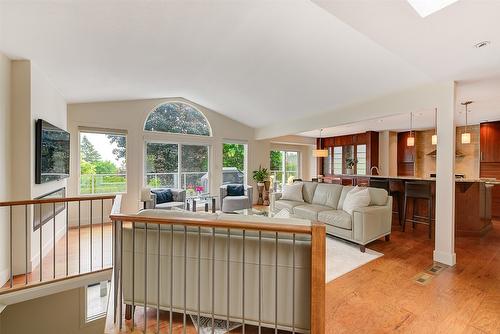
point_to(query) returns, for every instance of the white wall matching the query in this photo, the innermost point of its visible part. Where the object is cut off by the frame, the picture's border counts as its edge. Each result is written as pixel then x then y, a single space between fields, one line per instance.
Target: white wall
pixel 388 153
pixel 5 72
pixel 131 115
pixel 33 97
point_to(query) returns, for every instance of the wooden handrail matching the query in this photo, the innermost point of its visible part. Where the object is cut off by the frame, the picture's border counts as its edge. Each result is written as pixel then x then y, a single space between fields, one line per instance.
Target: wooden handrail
pixel 210 223
pixel 56 200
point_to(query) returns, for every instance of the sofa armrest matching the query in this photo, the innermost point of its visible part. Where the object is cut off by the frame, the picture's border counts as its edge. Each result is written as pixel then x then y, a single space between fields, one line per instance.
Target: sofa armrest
pixel 151 204
pixel 179 195
pixel 372 222
pixel 273 197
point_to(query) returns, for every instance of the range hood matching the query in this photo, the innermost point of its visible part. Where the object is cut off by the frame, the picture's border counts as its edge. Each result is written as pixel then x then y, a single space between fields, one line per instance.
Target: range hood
pixel 458 154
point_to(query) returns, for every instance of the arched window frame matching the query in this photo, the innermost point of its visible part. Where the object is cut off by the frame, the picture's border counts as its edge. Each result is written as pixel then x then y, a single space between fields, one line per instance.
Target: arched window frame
pixel 178 133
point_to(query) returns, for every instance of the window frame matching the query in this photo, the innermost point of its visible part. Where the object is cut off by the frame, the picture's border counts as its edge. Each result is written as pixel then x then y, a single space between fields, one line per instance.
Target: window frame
pixel 104 131
pixel 179 158
pixel 283 170
pixel 245 159
pixel 177 133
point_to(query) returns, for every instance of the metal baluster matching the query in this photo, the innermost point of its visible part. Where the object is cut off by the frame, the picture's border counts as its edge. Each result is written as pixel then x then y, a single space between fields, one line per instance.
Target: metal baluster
pixel 40 256
pixel 145 277
pixel 185 278
pixel 158 285
pixel 276 285
pixel 260 280
pixel 115 270
pixel 67 237
pixel 102 234
pixel 199 279
pixel 293 285
pixel 133 274
pixel 11 247
pixel 79 236
pixel 171 276
pixel 228 246
pixel 54 241
pixel 213 279
pixel 243 285
pixel 121 276
pixel 91 225
pixel 26 244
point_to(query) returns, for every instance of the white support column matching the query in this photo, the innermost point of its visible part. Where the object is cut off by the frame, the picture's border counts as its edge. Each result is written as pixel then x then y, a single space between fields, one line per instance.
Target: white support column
pixel 444 251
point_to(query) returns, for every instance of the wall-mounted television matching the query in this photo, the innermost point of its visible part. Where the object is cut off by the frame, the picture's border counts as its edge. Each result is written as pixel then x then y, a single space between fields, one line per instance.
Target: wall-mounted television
pixel 52 153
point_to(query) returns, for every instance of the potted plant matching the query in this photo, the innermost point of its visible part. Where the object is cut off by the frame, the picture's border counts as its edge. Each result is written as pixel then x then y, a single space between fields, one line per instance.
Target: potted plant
pixel 349 165
pixel 260 176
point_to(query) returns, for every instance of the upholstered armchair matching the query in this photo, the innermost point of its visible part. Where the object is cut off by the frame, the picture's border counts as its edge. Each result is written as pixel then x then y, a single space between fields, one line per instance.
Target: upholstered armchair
pixel 179 200
pixel 233 203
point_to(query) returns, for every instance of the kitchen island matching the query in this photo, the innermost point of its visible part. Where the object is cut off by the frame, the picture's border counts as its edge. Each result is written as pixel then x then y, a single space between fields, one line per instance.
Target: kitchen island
pixel 473 200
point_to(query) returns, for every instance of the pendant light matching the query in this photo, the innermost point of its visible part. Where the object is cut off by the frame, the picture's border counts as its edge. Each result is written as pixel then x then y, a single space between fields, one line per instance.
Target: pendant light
pixel 320 152
pixel 434 138
pixel 410 141
pixel 466 135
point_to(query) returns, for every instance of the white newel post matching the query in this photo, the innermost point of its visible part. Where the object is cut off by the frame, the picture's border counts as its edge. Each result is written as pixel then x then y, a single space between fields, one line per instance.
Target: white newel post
pixel 444 251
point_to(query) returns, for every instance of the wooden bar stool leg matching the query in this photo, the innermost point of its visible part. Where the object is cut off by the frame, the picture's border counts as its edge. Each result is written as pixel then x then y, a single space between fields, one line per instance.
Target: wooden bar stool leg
pixel 404 214
pixel 413 222
pixel 430 218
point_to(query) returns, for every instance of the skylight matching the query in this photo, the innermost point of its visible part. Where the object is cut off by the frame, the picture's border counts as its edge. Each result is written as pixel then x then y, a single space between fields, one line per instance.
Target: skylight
pixel 427 7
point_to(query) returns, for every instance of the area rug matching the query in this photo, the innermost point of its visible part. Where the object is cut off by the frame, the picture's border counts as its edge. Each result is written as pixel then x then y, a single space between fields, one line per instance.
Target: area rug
pixel 343 257
pixel 220 326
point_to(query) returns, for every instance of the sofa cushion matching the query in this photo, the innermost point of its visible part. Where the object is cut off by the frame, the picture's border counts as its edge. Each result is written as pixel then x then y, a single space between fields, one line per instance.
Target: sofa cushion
pixel 378 196
pixel 163 195
pixel 286 204
pixel 169 205
pixel 293 192
pixel 327 194
pixel 235 190
pixel 359 197
pixel 345 190
pixel 309 211
pixel 338 218
pixel 308 190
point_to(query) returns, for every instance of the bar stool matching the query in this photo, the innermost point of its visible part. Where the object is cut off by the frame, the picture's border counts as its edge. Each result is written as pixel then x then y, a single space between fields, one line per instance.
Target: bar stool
pixel 418 190
pixel 384 184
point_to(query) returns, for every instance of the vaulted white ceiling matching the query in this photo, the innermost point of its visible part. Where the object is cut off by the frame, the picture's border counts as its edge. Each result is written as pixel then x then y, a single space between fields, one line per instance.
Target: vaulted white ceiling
pixel 258 61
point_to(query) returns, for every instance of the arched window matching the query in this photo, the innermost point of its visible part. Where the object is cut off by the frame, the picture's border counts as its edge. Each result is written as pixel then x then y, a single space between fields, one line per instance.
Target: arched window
pixel 177 117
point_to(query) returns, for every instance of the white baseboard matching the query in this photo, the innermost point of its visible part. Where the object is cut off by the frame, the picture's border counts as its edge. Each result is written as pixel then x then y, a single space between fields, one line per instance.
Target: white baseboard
pixel 449 259
pixel 4 276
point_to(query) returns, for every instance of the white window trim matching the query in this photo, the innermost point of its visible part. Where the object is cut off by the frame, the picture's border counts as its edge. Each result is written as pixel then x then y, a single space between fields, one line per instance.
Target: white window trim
pixel 82 129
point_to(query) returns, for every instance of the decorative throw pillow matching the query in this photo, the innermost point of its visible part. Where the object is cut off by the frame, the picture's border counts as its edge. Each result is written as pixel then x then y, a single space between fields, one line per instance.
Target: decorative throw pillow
pixel 293 192
pixel 235 190
pixel 163 195
pixel 358 197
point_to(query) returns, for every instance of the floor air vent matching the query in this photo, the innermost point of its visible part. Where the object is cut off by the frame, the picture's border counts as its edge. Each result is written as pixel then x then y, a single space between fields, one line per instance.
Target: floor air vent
pixel 436 268
pixel 423 279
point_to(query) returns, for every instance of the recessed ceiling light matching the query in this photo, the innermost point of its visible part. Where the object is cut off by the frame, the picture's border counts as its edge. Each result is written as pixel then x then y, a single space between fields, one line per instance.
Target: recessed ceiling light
pixel 427 7
pixel 482 44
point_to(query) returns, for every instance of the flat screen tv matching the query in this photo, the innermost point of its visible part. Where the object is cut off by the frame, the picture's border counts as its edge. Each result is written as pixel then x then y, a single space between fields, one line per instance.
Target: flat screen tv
pixel 52 153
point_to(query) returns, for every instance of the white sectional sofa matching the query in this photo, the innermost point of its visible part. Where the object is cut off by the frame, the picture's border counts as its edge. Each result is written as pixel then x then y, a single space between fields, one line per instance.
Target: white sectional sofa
pixel 285 270
pixel 324 202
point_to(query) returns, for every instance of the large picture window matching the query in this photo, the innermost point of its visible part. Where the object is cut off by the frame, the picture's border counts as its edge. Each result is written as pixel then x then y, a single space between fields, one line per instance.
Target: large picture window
pixel 234 162
pixel 177 166
pixel 284 168
pixel 103 164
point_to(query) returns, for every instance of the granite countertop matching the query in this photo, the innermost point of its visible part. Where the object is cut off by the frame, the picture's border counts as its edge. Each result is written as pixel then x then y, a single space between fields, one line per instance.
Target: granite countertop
pixel 485 180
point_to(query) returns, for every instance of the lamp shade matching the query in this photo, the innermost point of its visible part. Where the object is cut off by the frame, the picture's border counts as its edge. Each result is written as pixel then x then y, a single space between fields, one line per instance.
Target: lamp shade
pixel 410 141
pixel 434 139
pixel 466 138
pixel 320 153
pixel 145 194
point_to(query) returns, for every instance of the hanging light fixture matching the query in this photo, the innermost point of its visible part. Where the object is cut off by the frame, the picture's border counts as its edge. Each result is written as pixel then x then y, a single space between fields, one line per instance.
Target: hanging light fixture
pixel 466 135
pixel 410 141
pixel 320 152
pixel 434 138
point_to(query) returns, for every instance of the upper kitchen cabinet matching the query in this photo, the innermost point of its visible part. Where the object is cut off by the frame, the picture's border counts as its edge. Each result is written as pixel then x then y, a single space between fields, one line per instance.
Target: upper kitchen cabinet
pixel 490 141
